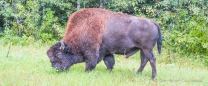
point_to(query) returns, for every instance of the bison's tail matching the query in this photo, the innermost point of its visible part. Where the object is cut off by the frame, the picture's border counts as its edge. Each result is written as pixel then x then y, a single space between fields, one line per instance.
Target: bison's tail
pixel 159 41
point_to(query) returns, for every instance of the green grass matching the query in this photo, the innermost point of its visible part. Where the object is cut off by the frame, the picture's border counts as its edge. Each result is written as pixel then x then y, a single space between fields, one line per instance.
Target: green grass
pixel 29 65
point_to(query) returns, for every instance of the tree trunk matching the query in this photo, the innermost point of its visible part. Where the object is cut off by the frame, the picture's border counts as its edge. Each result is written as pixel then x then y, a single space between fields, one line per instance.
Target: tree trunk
pixel 16 17
pixel 102 3
pixel 78 5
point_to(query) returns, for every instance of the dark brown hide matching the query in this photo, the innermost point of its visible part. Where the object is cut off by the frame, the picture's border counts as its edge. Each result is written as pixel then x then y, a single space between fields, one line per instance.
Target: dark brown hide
pixel 94 34
pixel 60 59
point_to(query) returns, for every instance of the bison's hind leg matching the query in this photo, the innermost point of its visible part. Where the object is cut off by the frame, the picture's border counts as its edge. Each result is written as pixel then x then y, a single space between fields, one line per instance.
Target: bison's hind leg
pixel 144 61
pixel 147 55
pixel 109 61
pixel 153 65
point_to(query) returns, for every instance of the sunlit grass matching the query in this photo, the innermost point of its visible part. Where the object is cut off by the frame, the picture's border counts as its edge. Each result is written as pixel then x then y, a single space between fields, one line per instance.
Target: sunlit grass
pixel 29 65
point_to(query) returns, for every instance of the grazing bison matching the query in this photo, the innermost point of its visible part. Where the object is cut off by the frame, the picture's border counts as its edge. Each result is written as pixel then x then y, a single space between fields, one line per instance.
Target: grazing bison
pixel 95 34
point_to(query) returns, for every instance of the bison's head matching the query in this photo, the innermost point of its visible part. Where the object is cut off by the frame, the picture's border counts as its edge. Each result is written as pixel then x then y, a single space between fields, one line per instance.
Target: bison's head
pixel 60 56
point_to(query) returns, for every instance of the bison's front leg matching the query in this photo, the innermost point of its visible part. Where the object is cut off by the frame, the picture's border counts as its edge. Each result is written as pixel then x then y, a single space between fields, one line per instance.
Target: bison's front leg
pixel 91 58
pixel 109 61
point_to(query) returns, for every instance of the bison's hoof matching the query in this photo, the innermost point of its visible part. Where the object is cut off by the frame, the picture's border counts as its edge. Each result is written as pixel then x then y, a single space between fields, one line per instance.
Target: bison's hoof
pixel 110 70
pixel 138 72
pixel 87 70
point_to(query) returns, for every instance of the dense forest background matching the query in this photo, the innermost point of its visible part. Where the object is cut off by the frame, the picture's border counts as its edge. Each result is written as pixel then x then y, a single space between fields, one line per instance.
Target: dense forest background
pixel 184 23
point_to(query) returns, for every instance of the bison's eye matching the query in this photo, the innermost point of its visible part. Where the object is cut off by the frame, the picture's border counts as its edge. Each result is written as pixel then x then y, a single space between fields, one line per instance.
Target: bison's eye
pixel 58 54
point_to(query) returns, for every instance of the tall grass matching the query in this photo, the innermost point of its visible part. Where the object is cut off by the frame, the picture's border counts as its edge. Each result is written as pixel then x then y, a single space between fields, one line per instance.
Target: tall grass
pixel 29 65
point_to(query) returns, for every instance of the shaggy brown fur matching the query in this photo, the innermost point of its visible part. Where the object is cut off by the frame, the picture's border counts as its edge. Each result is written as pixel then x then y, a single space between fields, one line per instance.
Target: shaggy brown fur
pixel 85 27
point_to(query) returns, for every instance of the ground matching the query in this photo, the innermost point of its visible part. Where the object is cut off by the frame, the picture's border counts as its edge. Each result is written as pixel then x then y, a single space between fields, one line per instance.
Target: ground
pixel 29 65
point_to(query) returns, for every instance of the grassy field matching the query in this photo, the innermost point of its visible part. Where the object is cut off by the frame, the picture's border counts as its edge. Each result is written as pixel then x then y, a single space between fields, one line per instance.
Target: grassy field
pixel 30 66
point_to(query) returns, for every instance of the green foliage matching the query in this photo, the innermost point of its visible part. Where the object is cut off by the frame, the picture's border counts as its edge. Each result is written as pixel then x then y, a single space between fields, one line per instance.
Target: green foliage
pixel 15 40
pixel 50 28
pixel 185 28
pixel 183 22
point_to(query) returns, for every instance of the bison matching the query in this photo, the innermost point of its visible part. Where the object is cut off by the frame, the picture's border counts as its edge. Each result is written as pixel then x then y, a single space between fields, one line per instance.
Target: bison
pixel 95 34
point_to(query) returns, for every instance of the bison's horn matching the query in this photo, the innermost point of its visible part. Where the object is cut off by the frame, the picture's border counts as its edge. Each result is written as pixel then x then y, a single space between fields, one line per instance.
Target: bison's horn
pixel 62 46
